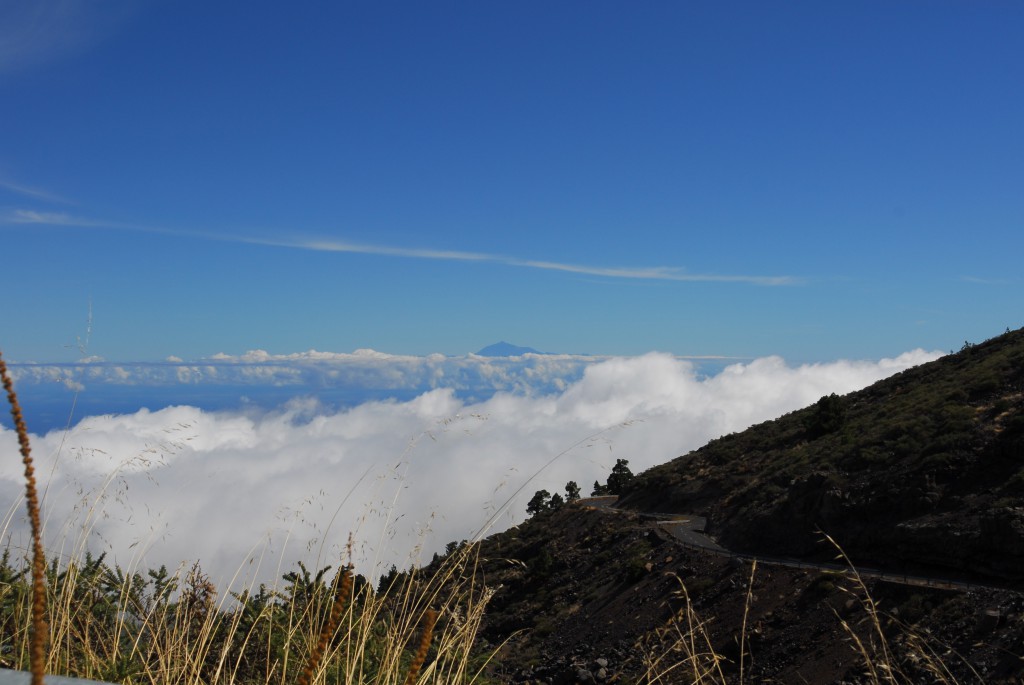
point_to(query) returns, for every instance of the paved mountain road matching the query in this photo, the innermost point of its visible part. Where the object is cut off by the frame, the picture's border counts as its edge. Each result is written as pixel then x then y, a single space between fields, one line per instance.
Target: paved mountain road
pixel 689 530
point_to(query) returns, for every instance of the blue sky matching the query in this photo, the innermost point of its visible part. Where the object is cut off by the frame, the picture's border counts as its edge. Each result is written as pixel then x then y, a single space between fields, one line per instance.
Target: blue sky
pixel 814 180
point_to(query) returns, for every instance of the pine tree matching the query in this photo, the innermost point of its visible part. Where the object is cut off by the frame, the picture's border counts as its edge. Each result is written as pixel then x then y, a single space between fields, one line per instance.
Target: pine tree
pixel 620 477
pixel 540 502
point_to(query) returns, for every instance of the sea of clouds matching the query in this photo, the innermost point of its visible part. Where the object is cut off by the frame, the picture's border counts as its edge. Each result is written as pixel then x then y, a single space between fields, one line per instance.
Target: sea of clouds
pixel 362 369
pixel 247 489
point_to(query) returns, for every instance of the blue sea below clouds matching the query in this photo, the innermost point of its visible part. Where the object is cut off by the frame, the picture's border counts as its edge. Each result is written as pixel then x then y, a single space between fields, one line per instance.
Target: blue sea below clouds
pixel 50 400
pixel 54 407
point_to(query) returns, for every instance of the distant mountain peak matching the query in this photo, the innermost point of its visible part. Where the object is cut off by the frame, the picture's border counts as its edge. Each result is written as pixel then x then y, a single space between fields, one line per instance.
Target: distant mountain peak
pixel 504 349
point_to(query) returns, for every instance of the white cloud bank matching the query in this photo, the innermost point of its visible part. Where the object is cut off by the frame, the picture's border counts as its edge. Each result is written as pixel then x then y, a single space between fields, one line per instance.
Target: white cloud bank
pixel 314 370
pixel 223 487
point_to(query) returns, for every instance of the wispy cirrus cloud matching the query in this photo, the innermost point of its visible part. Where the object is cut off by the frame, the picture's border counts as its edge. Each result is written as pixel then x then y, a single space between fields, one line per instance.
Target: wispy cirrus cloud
pixel 985 281
pixel 35 193
pixel 653 273
pixel 30 216
pixel 658 273
pixel 383 250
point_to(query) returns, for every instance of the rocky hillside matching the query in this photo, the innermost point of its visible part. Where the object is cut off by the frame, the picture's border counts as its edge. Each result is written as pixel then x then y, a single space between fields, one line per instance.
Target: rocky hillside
pixel 921 473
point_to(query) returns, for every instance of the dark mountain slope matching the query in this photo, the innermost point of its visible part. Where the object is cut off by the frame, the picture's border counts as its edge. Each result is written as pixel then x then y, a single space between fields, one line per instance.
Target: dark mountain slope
pixel 922 472
pixel 587 595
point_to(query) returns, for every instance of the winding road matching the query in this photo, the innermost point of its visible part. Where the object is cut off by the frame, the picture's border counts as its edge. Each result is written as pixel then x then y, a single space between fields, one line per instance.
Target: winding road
pixel 689 530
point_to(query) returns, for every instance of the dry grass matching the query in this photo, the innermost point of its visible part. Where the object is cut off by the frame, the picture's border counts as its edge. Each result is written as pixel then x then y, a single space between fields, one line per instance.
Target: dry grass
pixel 914 657
pixel 122 626
pixel 684 651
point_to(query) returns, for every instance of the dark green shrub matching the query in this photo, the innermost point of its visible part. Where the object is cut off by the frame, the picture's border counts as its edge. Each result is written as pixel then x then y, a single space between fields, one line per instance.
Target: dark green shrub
pixel 828 416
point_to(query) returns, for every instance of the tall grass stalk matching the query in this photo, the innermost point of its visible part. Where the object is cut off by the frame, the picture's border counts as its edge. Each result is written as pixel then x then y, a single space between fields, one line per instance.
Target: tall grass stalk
pixel 881 662
pixel 683 649
pixel 682 644
pixel 38 631
pixel 176 629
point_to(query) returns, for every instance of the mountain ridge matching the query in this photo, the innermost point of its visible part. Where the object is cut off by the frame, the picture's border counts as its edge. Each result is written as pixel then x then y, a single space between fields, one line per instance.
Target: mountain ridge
pixel 505 349
pixel 932 458
pixel 919 473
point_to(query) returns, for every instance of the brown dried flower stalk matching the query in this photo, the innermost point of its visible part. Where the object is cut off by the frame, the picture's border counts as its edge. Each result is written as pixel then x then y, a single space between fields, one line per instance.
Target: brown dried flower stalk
pixel 343 589
pixel 421 654
pixel 37 651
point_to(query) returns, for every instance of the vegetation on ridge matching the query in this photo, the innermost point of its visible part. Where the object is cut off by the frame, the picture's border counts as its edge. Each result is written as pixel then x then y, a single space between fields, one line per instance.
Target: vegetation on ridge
pixel 920 472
